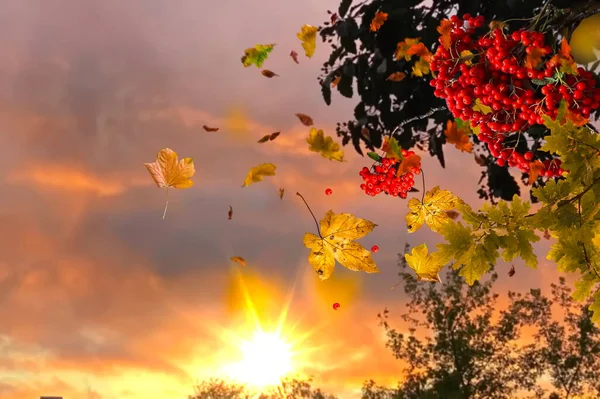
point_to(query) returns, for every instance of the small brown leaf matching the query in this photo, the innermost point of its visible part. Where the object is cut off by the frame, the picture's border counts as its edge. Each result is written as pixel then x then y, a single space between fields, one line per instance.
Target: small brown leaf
pixel 452 214
pixel 210 129
pixel 274 136
pixel 281 192
pixel 480 159
pixel 268 74
pixel 269 137
pixel 294 56
pixel 365 133
pixel 305 119
pixel 547 234
pixel 336 81
pixel 497 25
pixel 238 259
pixel 230 213
pixel 512 271
pixel 396 76
pixel 334 18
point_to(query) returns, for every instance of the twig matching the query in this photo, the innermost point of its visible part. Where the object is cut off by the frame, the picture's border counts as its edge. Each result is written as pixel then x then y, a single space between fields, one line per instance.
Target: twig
pixel 423 178
pixel 311 212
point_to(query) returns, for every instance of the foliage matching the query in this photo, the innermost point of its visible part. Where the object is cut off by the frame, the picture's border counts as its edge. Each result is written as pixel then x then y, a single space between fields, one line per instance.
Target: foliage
pixel 364 59
pixel 290 388
pixel 471 349
pixel 256 173
pixel 324 145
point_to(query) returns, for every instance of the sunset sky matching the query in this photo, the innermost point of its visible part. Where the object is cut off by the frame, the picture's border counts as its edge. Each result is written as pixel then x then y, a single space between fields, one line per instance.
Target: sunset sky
pixel 99 296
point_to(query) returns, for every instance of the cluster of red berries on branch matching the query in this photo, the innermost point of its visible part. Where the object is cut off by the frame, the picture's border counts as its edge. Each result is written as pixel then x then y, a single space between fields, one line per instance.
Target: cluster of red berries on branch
pixel 385 179
pixel 504 83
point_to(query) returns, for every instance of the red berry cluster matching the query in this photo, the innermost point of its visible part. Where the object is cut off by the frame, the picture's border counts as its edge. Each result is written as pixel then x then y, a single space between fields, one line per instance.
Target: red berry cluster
pixel 385 180
pixel 497 77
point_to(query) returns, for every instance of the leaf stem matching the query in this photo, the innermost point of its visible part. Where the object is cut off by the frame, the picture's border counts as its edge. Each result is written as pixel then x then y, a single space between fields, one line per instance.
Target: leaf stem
pixel 311 212
pixel 423 178
pixel 167 204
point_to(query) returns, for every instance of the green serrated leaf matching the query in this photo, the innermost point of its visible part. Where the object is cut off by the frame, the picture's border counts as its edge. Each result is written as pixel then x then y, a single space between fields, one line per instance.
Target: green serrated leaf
pixel 374 156
pixel 257 55
pixel 394 149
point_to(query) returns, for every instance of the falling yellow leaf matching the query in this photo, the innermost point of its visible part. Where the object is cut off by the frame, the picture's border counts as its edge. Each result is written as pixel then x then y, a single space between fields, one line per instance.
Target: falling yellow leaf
pixel 432 210
pixel 308 37
pixel 305 119
pixel 281 192
pixel 337 233
pixel 268 74
pixel 459 137
pixel 407 163
pixel 396 76
pixel 168 171
pixel 324 145
pixel 238 259
pixel 256 55
pixel 535 168
pixel 257 173
pixel 378 20
pixel 336 81
pixel 427 266
pixel 420 68
pixel 445 30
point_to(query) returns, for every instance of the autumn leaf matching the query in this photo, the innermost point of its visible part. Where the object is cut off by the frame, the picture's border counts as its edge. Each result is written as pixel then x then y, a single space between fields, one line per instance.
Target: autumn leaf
pixel 403 48
pixel 427 266
pixel 459 137
pixel 535 168
pixel 392 149
pixel 481 107
pixel 334 18
pixel 467 56
pixel 294 56
pixel 169 171
pixel 336 81
pixel 396 76
pixel 230 213
pixel 308 37
pixel 268 74
pixel 420 68
pixel 534 57
pixel 336 242
pixel 324 145
pixel 497 25
pixel 269 137
pixel 564 60
pixel 577 119
pixel 257 173
pixel 238 259
pixel 408 163
pixel 257 55
pixel 452 214
pixel 365 133
pixel 432 210
pixel 305 119
pixel 378 20
pixel 420 50
pixel 210 129
pixel 281 192
pixel 444 30
pixel 512 271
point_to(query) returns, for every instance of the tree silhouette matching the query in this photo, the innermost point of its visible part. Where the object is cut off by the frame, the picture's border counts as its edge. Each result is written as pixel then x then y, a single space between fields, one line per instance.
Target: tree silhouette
pixel 289 388
pixel 467 348
pixel 364 60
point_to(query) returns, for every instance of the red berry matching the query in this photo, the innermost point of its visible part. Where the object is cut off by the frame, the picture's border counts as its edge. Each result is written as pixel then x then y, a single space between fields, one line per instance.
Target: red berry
pixel 328 191
pixel 374 248
pixel 336 306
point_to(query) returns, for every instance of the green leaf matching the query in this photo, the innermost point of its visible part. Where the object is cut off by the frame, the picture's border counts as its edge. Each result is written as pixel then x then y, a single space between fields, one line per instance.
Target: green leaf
pixel 584 286
pixel 374 156
pixel 394 148
pixel 257 55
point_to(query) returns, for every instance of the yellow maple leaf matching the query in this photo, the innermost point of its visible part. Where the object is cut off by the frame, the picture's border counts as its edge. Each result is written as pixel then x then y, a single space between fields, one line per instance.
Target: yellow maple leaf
pixel 403 47
pixel 308 37
pixel 378 20
pixel 336 242
pixel 481 107
pixel 534 170
pixel 427 266
pixel 407 163
pixel 324 145
pixel 459 137
pixel 444 30
pixel 420 68
pixel 534 58
pixel 169 171
pixel 432 210
pixel 257 173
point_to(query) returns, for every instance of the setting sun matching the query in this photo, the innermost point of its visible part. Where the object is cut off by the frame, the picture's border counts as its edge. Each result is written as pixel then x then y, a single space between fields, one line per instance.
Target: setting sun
pixel 266 359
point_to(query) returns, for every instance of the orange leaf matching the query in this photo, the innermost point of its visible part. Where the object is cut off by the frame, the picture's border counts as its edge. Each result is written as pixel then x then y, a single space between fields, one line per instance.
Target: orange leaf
pixel 210 129
pixel 458 137
pixel 305 119
pixel 534 170
pixel 268 74
pixel 408 163
pixel 419 50
pixel 396 76
pixel 444 30
pixel 577 119
pixel 403 47
pixel 534 57
pixel 336 81
pixel 378 21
